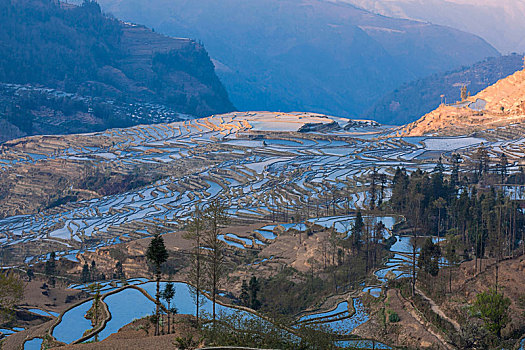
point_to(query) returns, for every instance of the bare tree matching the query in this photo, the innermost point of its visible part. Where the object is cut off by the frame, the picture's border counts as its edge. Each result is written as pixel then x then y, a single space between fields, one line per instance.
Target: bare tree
pixel 463 93
pixel 215 216
pixel 196 229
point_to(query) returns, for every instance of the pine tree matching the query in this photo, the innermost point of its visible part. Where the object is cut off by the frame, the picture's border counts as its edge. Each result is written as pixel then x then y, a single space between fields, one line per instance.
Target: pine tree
pixel 85 277
pixel 50 268
pixel 119 271
pixel 503 165
pixel 429 257
pixel 167 294
pixel 373 189
pixel 463 92
pixel 254 289
pixel 30 274
pixel 245 294
pixel 357 232
pixel 93 271
pixel 157 255
pixel 454 176
pixel 399 190
pixel 481 157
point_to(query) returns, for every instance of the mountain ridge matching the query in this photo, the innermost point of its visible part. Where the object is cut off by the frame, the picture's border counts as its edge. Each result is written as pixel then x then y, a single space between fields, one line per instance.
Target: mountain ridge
pixel 308 54
pixel 467 15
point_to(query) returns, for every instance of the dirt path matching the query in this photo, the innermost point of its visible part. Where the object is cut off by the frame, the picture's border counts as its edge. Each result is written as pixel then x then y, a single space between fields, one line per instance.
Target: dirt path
pixel 410 308
pixel 438 310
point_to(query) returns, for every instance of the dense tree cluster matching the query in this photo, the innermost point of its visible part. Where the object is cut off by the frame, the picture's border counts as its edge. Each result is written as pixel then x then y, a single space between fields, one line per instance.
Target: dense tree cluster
pixel 488 223
pixel 46 43
pixel 79 49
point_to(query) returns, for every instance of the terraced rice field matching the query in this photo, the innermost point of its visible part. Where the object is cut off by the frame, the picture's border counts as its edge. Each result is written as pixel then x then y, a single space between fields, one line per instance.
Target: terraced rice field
pixel 298 168
pixel 264 169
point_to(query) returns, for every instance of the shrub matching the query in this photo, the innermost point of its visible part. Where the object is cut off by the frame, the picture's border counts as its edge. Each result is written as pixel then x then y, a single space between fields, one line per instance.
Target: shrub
pixel 394 317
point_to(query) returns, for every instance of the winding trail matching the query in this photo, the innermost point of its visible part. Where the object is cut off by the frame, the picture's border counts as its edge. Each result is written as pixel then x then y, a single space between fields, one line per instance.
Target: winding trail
pixel 429 327
pixel 438 310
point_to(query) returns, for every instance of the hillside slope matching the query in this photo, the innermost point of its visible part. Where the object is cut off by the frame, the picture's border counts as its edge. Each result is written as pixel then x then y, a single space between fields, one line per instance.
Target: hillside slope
pixel 77 49
pixel 309 55
pixel 506 27
pixel 501 104
pixel 412 100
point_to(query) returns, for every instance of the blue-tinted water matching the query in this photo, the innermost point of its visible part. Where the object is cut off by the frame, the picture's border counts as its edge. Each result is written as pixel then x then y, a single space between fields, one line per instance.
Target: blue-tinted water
pixel 341 307
pixel 73 324
pixel 125 306
pixel 33 344
pixel 340 324
pixel 42 312
pixel 361 344
pixel 266 233
pixel 231 243
pixel 130 304
pixel 6 331
pixel 373 291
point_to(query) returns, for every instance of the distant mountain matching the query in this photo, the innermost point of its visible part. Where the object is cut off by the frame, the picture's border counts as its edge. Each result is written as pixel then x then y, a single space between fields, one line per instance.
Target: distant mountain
pixel 500 22
pixel 412 100
pixel 497 110
pixel 309 55
pixel 77 49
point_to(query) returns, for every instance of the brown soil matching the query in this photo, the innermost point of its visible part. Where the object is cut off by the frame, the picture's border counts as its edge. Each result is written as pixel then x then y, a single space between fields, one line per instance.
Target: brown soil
pixel 415 332
pixel 55 300
pixel 37 326
pixel 411 331
pixel 466 284
pixel 134 262
pixel 139 335
pixel 16 340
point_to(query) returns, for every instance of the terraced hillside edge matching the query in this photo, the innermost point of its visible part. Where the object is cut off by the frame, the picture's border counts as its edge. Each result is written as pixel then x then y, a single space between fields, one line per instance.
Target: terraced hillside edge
pixel 410 101
pixel 499 105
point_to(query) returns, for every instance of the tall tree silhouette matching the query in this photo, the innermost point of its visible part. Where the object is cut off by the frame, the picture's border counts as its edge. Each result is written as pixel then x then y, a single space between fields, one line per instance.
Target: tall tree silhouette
pixel 215 216
pixel 196 231
pixel 157 255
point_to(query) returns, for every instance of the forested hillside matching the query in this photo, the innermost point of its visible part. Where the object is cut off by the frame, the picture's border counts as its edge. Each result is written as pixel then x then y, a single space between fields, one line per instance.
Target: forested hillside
pixel 79 50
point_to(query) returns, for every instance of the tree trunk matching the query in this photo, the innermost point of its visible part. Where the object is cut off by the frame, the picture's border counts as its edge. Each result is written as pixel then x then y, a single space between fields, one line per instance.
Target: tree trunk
pixel 214 289
pixel 157 305
pixel 450 278
pixel 169 312
pixel 497 271
pixel 197 311
pixel 414 267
